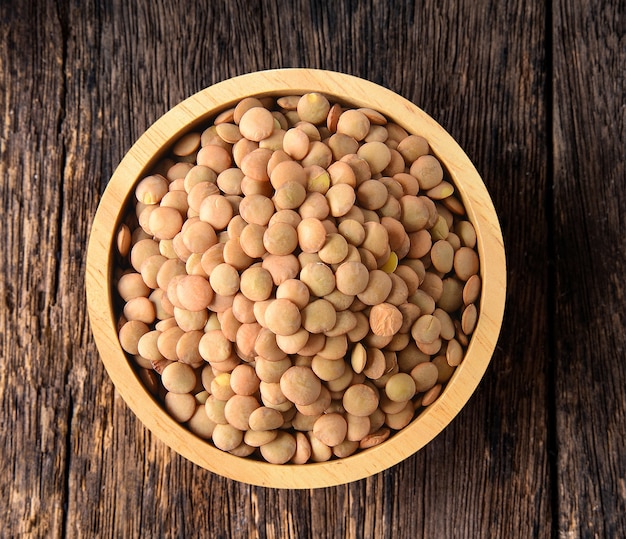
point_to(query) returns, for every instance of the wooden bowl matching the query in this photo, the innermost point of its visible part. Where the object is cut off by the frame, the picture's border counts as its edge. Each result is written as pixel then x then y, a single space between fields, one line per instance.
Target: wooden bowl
pixel 199 109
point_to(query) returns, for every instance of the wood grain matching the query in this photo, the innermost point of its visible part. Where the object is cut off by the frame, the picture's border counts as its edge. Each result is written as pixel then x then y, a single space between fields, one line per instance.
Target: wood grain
pixel 35 357
pixel 528 92
pixel 590 261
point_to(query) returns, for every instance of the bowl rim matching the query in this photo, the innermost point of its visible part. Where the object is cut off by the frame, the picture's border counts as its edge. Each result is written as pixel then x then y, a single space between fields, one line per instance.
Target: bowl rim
pixel 198 109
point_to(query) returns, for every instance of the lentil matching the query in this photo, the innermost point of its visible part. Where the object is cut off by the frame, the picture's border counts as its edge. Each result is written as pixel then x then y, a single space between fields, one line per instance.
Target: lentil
pixel 297 265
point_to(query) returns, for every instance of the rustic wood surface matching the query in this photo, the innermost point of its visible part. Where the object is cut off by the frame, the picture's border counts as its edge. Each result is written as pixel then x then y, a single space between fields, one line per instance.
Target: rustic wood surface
pixel 534 92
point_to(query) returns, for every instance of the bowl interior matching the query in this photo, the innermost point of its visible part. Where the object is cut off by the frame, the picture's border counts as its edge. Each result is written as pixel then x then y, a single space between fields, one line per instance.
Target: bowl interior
pixel 200 109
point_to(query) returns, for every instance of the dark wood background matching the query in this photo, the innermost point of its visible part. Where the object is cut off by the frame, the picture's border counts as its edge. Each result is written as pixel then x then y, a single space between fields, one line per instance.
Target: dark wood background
pixel 533 91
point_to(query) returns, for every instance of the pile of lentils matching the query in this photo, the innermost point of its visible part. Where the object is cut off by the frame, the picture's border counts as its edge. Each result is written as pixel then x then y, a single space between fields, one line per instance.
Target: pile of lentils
pixel 298 280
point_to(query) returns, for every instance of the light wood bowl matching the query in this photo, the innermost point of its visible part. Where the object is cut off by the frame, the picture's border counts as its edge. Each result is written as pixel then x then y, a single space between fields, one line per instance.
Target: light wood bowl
pixel 199 109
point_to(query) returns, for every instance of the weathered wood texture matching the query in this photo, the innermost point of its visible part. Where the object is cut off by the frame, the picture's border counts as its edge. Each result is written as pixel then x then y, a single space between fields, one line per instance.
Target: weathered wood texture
pixel 534 94
pixel 589 341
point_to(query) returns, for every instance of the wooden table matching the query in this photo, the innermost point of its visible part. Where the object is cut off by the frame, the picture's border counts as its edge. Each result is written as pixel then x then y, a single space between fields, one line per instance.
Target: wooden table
pixel 534 92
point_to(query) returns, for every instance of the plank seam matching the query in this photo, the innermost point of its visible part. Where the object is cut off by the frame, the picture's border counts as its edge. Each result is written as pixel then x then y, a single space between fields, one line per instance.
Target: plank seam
pixel 60 129
pixel 552 441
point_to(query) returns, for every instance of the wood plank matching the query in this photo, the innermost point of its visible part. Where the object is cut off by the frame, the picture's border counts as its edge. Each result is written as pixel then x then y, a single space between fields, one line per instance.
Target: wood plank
pixel 34 348
pixel 486 85
pixel 589 220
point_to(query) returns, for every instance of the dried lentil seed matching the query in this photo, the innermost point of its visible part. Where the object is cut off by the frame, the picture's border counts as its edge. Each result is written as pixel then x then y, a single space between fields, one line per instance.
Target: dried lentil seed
pixel 300 385
pixel 282 317
pixel 419 235
pixel 181 406
pixel 178 378
pixel 471 290
pixel 385 319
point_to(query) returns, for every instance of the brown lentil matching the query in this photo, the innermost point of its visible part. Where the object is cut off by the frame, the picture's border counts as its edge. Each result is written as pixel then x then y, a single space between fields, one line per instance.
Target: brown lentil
pixel 276 243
